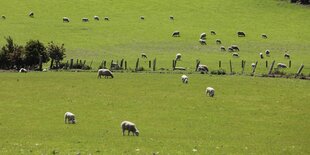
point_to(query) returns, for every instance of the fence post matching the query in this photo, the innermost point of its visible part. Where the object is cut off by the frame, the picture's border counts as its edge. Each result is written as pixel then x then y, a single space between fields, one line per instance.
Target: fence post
pixel 271 67
pixel 220 64
pixel 254 67
pixel 122 61
pixel 230 67
pixel 299 70
pixel 173 64
pixel 150 64
pixel 266 63
pixel 71 63
pixel 154 64
pixel 104 64
pixel 243 66
pixel 289 64
pixel 137 64
pixel 125 65
pixel 197 65
pixel 51 66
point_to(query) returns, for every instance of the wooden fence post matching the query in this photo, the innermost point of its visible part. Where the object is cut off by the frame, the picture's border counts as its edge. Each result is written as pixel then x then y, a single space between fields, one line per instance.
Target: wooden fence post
pixel 220 64
pixel 104 64
pixel 173 64
pixel 125 65
pixel 289 64
pixel 150 64
pixel 122 61
pixel 243 66
pixel 253 71
pixel 137 64
pixel 231 72
pixel 71 63
pixel 154 64
pixel 91 63
pixel 271 67
pixel 197 65
pixel 299 70
pixel 51 66
pixel 266 63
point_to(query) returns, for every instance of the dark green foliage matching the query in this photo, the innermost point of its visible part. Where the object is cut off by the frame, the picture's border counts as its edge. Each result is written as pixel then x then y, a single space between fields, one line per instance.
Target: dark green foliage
pixel 34 49
pixel 218 72
pixel 11 55
pixel 56 53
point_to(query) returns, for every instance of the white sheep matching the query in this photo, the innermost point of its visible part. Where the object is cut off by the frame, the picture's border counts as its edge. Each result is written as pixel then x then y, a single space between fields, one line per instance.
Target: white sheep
pixel 105 72
pixel 69 118
pixel 213 32
pixel 203 68
pixel 218 41
pixel 286 55
pixel 203 36
pixel 23 70
pixel 106 18
pixel 261 55
pixel 65 19
pixel 178 57
pixel 143 55
pixel 210 91
pixel 202 42
pixel 96 17
pixel 253 65
pixel 131 127
pixel 235 54
pixel 184 79
pixel 176 34
pixel 84 19
pixel 267 53
pixel 223 48
pixel 281 65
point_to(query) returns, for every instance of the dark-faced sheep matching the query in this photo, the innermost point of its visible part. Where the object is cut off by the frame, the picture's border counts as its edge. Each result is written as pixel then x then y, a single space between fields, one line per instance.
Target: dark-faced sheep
pixel 241 34
pixel 65 19
pixel 203 36
pixel 31 14
pixel 130 127
pixel 3 17
pixel 267 53
pixel 222 48
pixel 287 56
pixel 96 18
pixel 143 55
pixel 106 18
pixel 105 72
pixel 235 48
pixel 176 34
pixel 261 55
pixel 171 18
pixel 253 65
pixel 281 65
pixel 69 118
pixel 264 36
pixel 230 49
pixel 84 19
pixel 210 91
pixel 202 42
pixel 213 32
pixel 178 57
pixel 184 79
pixel 142 17
pixel 23 70
pixel 203 68
pixel 218 41
pixel 235 54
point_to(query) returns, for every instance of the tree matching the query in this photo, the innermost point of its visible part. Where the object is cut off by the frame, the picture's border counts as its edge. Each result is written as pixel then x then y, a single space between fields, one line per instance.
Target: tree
pixel 56 53
pixel 35 53
pixel 11 55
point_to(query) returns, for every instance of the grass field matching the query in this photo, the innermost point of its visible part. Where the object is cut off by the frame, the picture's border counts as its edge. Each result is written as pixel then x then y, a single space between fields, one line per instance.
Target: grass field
pixel 126 36
pixel 251 116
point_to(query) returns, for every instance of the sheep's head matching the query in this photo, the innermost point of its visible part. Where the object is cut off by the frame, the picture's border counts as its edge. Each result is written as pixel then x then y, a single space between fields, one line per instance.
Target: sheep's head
pixel 137 133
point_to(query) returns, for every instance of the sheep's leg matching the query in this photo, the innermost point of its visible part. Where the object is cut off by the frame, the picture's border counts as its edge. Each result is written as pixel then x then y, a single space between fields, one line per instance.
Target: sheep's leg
pixel 123 132
pixel 128 132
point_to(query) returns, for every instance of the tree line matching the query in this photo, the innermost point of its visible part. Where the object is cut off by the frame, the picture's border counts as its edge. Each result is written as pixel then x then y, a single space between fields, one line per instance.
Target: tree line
pixel 30 56
pixel 305 2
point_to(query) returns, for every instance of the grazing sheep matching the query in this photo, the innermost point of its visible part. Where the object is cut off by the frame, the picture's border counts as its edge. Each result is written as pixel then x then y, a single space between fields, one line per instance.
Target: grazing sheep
pixel 65 19
pixel 96 18
pixel 264 36
pixel 3 17
pixel 281 65
pixel 286 55
pixel 106 18
pixel 105 72
pixel 213 32
pixel 261 55
pixel 253 65
pixel 176 34
pixel 23 70
pixel 235 48
pixel 210 91
pixel 267 53
pixel 69 118
pixel 44 70
pixel 84 19
pixel 202 42
pixel 230 49
pixel 184 79
pixel 235 54
pixel 218 41
pixel 203 36
pixel 241 34
pixel 171 18
pixel 131 127
pixel 31 14
pixel 223 48
pixel 203 68
pixel 143 55
pixel 178 57
pixel 142 17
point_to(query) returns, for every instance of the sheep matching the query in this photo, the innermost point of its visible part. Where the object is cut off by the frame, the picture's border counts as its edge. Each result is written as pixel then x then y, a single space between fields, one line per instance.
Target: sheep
pixel 218 41
pixel 203 68
pixel 230 49
pixel 203 36
pixel 286 55
pixel 223 48
pixel 105 72
pixel 31 14
pixel 253 65
pixel 178 57
pixel 131 127
pixel 176 34
pixel 210 91
pixel 213 32
pixel 23 70
pixel 84 19
pixel 267 53
pixel 65 19
pixel 202 42
pixel 261 55
pixel 184 79
pixel 171 18
pixel 3 17
pixel 235 48
pixel 44 70
pixel 96 18
pixel 143 55
pixel 142 17
pixel 281 65
pixel 69 118
pixel 235 54
pixel 106 18
pixel 241 34
pixel 264 36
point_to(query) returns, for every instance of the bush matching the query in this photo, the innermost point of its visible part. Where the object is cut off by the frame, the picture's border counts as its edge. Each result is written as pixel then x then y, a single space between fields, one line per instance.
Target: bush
pixel 218 72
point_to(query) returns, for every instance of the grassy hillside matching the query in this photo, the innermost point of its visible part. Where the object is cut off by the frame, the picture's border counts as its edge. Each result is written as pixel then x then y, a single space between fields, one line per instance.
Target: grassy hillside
pixel 126 36
pixel 251 116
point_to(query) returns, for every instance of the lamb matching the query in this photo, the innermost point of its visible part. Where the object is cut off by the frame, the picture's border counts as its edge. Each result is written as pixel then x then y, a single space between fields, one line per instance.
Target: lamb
pixel 223 48
pixel 143 55
pixel 106 18
pixel 203 68
pixel 105 72
pixel 281 65
pixel 84 19
pixel 3 17
pixel 203 36
pixel 286 55
pixel 230 49
pixel 253 65
pixel 69 118
pixel 267 53
pixel 235 54
pixel 96 18
pixel 202 42
pixel 264 36
pixel 131 127
pixel 261 55
pixel 23 70
pixel 31 14
pixel 241 34
pixel 235 48
pixel 184 79
pixel 210 91
pixel 213 32
pixel 171 18
pixel 178 57
pixel 176 34
pixel 142 17
pixel 218 41
pixel 65 19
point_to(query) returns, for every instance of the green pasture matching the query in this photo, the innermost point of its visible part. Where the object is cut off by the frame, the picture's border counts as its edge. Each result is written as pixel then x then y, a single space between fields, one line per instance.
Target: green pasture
pixel 126 36
pixel 248 115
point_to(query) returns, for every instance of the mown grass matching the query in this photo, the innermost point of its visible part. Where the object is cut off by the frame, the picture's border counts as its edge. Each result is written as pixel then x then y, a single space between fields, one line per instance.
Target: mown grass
pixel 126 36
pixel 246 116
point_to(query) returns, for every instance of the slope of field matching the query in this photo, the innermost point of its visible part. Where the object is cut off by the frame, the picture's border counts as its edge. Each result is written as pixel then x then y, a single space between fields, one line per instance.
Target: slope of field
pixel 251 116
pixel 126 36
